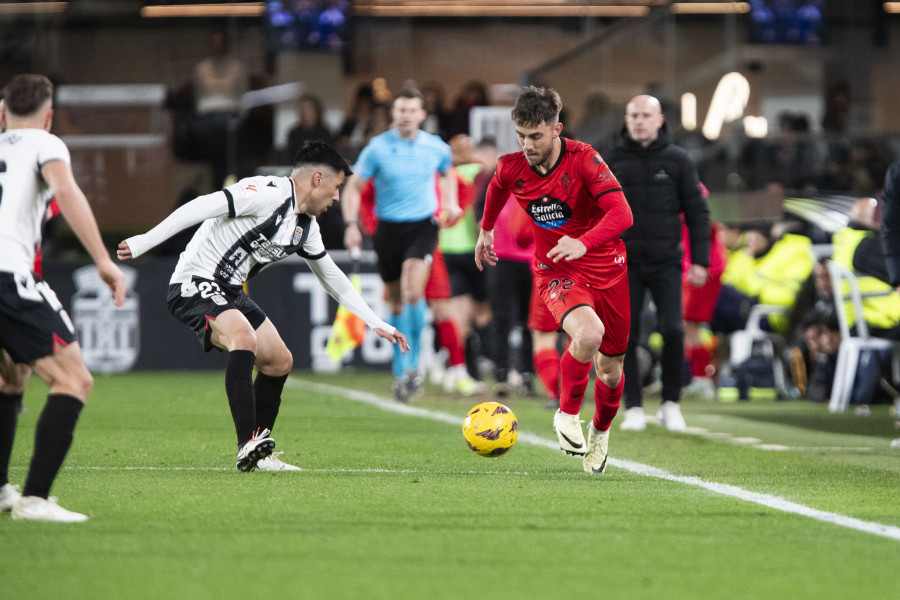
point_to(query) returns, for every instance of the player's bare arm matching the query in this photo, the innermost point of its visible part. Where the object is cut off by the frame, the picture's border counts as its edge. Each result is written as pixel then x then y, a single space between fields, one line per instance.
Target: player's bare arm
pixel 567 248
pixel 484 250
pixel 451 213
pixel 350 201
pixel 75 208
pixel 394 338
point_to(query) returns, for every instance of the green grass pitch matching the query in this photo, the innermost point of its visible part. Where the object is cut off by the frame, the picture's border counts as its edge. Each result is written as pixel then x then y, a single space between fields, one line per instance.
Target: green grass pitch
pixel 394 505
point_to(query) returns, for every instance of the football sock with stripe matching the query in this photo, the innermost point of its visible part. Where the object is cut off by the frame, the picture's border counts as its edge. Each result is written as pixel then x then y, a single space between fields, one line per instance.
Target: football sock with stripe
pixel 607 401
pixel 575 375
pixel 416 316
pixel 52 438
pixel 239 389
pixel 267 393
pixel 9 417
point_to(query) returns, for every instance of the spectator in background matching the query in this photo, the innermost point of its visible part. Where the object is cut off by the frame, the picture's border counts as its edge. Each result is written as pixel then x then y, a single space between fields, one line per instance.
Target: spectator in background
pixel 310 126
pixel 474 93
pixel 436 121
pixel 219 82
pixel 858 247
pixel 352 135
pixel 660 182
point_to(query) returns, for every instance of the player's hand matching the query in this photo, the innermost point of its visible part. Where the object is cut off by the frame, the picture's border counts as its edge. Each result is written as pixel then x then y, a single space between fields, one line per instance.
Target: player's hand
pixel 484 250
pixel 567 248
pixel 114 278
pixel 352 236
pixel 450 216
pixel 697 275
pixel 124 252
pixel 395 338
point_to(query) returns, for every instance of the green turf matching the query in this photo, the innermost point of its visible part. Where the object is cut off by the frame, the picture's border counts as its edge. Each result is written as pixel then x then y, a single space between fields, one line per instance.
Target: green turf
pixel 396 506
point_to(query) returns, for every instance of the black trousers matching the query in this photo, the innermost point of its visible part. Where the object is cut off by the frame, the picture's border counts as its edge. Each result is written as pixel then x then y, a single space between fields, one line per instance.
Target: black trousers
pixel 664 284
pixel 509 290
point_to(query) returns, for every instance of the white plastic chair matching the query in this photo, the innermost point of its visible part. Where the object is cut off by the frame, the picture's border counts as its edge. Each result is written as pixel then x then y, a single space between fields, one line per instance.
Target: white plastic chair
pixel 742 342
pixel 851 346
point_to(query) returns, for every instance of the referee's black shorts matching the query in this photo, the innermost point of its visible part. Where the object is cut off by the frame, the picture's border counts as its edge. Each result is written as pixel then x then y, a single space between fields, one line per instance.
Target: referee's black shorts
pixel 395 242
pixel 33 323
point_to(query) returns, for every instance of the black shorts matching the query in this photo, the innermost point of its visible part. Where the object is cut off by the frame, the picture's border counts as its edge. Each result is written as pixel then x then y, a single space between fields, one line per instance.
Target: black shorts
pixel 395 242
pixel 33 323
pixel 202 300
pixel 465 278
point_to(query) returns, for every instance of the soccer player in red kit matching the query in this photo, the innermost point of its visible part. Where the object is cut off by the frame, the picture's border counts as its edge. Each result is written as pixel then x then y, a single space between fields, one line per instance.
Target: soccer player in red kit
pixel 577 210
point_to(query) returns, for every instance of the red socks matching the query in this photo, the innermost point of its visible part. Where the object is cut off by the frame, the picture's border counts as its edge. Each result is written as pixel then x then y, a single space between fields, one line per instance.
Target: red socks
pixel 699 358
pixel 575 376
pixel 546 365
pixel 449 338
pixel 607 401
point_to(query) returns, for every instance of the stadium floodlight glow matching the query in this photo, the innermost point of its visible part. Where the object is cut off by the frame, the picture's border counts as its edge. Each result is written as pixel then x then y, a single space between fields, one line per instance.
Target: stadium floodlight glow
pixel 892 7
pixel 728 103
pixel 709 8
pixel 689 111
pixel 756 127
pixel 235 9
pixel 31 8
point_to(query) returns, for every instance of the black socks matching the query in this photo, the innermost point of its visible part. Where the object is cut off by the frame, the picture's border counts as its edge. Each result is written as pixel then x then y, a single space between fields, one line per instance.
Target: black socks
pixel 52 439
pixel 239 389
pixel 267 390
pixel 9 417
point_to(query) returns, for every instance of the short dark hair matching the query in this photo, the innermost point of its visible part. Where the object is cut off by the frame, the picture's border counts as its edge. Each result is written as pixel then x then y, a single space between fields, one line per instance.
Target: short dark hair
pixel 318 153
pixel 536 105
pixel 26 93
pixel 411 92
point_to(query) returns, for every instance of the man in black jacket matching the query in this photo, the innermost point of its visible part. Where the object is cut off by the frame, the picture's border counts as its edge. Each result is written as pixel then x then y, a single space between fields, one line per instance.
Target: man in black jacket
pixel 660 182
pixel 890 235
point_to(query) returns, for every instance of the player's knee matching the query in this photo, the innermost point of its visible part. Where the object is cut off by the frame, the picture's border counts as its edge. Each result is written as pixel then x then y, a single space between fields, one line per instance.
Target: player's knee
pixel 590 336
pixel 610 375
pixel 285 362
pixel 82 383
pixel 245 339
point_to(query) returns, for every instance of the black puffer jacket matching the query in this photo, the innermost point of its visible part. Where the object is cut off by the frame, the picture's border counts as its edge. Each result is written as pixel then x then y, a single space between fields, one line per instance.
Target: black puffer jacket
pixel 660 182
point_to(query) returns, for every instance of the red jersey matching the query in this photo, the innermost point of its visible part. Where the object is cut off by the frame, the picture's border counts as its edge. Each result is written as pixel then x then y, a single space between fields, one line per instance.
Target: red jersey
pixel 579 197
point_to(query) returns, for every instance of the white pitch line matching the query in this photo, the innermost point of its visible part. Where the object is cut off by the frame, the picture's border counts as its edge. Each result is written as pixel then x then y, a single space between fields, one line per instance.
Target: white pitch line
pixel 775 502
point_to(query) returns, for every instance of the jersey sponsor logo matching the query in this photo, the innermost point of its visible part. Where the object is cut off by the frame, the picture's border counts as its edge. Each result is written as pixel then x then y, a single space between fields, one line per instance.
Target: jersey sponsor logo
pixel 263 248
pixel 109 336
pixel 549 212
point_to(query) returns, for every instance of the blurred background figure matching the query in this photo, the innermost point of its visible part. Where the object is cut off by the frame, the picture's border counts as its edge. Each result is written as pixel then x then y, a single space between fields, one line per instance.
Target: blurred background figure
pixel 311 126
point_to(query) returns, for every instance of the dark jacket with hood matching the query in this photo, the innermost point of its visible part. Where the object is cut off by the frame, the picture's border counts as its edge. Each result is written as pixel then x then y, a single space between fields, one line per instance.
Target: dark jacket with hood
pixel 660 182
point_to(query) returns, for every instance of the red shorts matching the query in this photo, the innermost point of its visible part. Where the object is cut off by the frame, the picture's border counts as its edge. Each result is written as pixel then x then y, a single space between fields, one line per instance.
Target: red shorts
pixel 612 305
pixel 699 303
pixel 438 285
pixel 539 316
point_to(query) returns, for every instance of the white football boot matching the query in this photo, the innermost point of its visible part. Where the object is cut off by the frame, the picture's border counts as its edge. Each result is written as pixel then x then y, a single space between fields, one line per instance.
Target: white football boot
pixel 568 430
pixel 259 447
pixel 670 416
pixel 597 450
pixel 273 463
pixel 35 508
pixel 9 495
pixel 635 420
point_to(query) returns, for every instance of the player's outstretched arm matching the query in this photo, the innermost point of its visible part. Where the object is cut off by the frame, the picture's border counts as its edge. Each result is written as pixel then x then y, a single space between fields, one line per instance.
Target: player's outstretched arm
pixel 75 208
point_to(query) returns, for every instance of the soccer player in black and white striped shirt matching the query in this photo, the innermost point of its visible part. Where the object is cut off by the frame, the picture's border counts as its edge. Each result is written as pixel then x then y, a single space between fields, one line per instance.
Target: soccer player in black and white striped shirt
pixel 245 227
